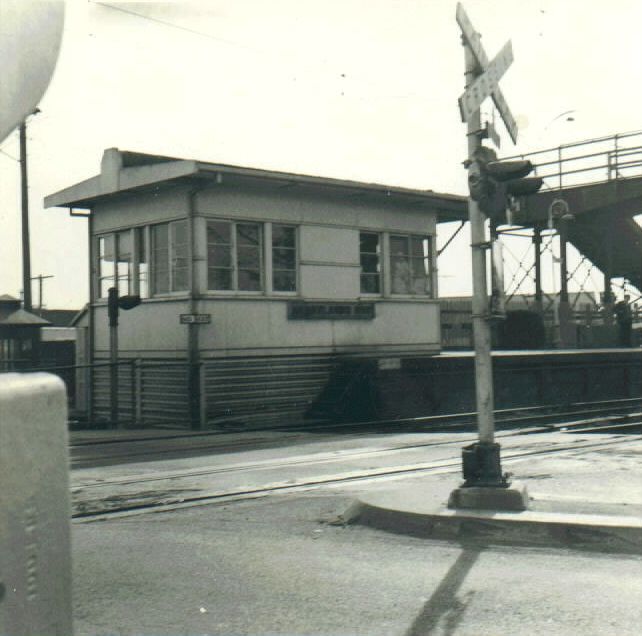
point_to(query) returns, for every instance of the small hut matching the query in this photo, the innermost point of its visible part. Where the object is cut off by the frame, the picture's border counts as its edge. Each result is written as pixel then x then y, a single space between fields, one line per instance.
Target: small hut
pixel 19 335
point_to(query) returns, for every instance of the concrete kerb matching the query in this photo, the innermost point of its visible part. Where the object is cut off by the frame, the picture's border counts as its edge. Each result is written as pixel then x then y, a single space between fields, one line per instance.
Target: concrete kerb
pixel 402 511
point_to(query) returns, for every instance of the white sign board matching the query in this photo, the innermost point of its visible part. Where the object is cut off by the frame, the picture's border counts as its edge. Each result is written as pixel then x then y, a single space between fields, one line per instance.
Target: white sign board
pixel 473 39
pixel 486 83
pixel 35 559
pixel 195 319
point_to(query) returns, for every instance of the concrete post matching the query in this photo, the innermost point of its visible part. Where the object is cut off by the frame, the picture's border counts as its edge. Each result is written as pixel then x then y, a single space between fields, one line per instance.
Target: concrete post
pixel 35 556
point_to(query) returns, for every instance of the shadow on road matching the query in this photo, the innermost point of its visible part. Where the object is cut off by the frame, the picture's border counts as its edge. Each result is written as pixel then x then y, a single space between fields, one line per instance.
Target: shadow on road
pixel 444 603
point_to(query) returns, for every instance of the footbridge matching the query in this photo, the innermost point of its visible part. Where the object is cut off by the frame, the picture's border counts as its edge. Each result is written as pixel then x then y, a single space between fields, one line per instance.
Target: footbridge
pixel 592 192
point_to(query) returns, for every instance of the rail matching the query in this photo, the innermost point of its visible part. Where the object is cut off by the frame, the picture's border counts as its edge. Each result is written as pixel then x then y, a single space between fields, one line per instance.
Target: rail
pixel 590 161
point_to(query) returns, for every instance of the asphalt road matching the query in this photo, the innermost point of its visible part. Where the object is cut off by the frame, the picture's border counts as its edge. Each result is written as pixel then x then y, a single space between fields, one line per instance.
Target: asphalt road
pixel 276 566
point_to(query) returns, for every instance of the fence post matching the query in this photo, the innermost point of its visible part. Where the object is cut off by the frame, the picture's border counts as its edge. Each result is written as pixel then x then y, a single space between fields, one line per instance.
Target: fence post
pixel 138 392
pixel 194 395
pixel 203 394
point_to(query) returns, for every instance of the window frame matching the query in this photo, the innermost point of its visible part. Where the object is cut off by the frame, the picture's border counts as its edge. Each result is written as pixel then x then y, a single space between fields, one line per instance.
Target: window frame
pixel 380 263
pixel 139 254
pixel 234 258
pixel 270 256
pixel 171 271
pixel 426 258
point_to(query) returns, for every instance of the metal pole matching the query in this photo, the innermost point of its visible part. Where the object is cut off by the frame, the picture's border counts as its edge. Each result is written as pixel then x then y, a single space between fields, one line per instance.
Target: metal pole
pixel 481 325
pixel 563 262
pixel 112 309
pixel 113 379
pixel 537 244
pixel 24 189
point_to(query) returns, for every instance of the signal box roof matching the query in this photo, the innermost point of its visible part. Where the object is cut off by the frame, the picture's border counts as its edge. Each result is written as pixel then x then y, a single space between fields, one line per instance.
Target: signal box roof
pixel 125 172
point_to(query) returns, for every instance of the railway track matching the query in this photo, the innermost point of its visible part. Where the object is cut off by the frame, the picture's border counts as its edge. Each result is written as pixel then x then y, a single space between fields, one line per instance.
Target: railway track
pixel 174 489
pixel 617 415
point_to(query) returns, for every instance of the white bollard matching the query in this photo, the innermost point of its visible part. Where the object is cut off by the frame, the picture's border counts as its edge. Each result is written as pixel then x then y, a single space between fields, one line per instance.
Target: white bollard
pixel 35 555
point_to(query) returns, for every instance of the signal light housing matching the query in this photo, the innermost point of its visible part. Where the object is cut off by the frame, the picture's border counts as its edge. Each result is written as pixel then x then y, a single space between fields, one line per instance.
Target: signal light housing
pixel 492 183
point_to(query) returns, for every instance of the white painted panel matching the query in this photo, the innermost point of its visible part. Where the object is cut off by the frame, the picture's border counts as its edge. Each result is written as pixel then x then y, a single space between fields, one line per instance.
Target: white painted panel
pixel 153 326
pixel 256 326
pixel 329 282
pixel 35 560
pixel 329 245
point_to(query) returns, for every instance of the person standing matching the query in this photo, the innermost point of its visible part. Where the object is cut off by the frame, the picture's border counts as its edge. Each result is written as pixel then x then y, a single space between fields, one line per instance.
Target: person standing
pixel 624 319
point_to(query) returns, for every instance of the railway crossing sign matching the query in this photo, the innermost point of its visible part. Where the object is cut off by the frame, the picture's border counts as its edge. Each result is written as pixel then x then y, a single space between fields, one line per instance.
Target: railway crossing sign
pixel 486 83
pixel 473 40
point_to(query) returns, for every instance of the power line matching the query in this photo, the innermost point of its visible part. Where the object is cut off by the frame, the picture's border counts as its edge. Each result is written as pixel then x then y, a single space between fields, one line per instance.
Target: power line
pixel 240 45
pixel 173 25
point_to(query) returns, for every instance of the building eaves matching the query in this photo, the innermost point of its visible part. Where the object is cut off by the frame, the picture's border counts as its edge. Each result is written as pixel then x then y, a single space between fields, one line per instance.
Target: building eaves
pixel 125 171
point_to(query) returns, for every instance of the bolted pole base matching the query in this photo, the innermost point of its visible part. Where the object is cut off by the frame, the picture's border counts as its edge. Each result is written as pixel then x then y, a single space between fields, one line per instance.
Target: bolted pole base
pixel 485 487
pixel 482 467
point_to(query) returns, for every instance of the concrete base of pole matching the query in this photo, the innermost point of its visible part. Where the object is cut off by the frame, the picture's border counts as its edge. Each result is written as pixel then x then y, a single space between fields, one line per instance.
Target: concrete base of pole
pixel 514 498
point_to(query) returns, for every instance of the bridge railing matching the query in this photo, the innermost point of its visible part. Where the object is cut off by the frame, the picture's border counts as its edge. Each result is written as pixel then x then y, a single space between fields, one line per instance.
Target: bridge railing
pixel 589 161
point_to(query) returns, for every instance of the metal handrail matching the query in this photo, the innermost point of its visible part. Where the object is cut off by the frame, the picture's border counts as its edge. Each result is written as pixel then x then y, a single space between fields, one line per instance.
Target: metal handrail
pixel 617 159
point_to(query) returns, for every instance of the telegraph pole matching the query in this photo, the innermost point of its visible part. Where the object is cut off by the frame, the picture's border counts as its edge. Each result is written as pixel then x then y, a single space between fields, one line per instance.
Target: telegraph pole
pixel 40 278
pixel 24 189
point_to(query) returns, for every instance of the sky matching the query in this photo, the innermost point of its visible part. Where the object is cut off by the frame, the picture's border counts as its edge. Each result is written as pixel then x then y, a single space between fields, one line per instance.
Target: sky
pixel 352 89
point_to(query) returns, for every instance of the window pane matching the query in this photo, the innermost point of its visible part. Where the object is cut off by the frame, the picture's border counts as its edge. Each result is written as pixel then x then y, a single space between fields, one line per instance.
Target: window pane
pixel 125 263
pixel 179 279
pixel 370 283
pixel 250 280
pixel 178 255
pixel 161 281
pixel 399 245
pixel 105 264
pixel 283 236
pixel 420 285
pixel 219 278
pixel 417 246
pixel 400 271
pixel 369 263
pixel 284 281
pixel 141 259
pixel 368 242
pixel 247 234
pixel 283 258
pixel 160 258
pixel 219 232
pixel 219 256
pixel 248 258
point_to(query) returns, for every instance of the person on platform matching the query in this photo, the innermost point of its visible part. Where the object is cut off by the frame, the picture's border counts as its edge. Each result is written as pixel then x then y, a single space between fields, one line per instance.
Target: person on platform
pixel 624 319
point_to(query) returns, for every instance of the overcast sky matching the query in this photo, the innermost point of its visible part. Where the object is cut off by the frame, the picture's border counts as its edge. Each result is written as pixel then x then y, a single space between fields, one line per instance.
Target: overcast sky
pixel 353 89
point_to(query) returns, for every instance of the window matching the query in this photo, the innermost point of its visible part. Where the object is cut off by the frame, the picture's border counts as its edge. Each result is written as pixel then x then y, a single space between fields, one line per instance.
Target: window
pixel 284 259
pixel 169 257
pixel 106 262
pixel 370 259
pixel 124 263
pixel 234 256
pixel 410 265
pixel 142 271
